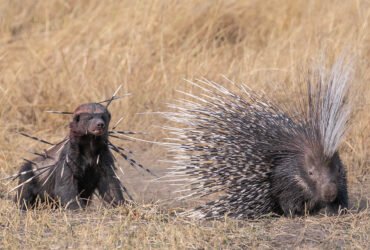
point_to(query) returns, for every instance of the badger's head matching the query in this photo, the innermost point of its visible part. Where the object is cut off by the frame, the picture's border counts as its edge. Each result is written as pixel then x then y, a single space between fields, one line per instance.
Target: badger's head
pixel 90 119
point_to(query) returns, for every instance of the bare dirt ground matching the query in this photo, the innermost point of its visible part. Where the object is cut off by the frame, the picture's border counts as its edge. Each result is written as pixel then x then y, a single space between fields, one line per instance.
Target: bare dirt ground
pixel 59 54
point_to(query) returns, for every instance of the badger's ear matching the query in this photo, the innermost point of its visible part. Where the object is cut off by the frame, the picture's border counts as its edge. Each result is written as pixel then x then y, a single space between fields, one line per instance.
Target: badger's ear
pixel 74 122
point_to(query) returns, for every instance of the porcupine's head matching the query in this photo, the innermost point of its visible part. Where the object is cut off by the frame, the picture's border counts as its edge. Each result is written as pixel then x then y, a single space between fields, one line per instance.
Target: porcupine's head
pixel 323 175
pixel 309 173
pixel 309 181
pixel 90 119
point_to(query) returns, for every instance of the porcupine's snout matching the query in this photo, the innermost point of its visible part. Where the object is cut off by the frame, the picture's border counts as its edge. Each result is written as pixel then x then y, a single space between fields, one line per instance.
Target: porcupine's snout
pixel 329 192
pixel 97 126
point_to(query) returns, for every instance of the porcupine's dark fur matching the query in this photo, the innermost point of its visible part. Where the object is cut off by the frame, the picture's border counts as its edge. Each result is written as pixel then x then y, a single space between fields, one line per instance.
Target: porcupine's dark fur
pixel 71 171
pixel 261 158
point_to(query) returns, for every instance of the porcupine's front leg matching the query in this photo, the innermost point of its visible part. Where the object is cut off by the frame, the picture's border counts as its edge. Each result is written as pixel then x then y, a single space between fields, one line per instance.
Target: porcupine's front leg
pixel 289 207
pixel 340 204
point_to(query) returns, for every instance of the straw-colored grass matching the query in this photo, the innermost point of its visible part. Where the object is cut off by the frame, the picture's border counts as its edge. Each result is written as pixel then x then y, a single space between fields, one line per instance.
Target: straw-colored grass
pixel 59 54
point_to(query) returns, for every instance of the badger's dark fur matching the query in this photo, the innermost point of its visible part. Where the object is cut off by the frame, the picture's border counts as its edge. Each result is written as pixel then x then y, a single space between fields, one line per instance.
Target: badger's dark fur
pixel 72 170
pixel 260 157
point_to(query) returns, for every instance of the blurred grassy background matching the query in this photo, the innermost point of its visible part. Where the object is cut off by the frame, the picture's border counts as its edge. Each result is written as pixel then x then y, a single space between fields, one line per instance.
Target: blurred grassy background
pixel 58 54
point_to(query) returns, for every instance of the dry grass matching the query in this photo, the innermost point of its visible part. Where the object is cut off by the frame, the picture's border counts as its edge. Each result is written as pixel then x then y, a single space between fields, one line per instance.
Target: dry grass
pixel 58 54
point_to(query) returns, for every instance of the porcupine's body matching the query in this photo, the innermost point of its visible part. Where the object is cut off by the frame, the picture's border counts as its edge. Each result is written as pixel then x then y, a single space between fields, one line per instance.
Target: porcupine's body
pixel 73 169
pixel 261 158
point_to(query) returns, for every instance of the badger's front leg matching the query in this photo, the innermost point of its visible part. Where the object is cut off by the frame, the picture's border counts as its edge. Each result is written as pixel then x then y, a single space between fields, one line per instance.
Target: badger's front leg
pixel 66 189
pixel 109 186
pixel 26 194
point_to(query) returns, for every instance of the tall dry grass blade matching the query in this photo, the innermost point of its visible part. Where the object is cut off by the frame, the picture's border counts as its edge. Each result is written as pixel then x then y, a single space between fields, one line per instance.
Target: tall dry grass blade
pixel 117 123
pixel 113 96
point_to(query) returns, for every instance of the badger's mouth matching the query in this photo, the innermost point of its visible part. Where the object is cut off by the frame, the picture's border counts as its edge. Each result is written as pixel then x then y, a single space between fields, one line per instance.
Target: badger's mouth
pixel 97 131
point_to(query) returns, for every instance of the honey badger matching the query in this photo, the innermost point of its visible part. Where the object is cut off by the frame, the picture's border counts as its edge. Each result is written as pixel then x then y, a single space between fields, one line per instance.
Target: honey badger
pixel 72 170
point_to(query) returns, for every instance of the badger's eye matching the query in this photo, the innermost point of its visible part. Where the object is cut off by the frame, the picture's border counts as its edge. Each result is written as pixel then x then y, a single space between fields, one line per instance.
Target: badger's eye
pixel 77 118
pixel 310 172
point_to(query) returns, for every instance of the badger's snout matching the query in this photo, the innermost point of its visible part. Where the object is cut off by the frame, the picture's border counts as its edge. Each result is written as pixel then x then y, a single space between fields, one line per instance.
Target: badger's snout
pixel 97 127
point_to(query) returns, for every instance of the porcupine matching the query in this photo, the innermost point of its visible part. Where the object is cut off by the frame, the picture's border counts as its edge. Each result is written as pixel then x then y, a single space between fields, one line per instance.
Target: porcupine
pixel 71 171
pixel 264 159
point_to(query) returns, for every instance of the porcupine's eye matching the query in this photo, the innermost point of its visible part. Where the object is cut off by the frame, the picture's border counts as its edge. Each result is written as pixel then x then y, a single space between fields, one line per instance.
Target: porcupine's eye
pixel 310 172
